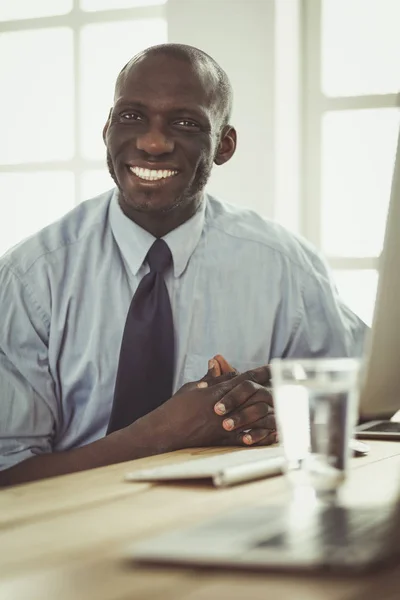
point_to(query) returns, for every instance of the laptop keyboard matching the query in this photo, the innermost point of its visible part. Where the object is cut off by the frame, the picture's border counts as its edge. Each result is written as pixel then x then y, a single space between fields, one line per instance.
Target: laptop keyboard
pixel 290 537
pixel 389 427
pixel 332 528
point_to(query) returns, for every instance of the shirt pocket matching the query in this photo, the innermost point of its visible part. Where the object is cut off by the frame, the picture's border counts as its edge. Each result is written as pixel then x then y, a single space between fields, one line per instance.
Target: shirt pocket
pixel 196 366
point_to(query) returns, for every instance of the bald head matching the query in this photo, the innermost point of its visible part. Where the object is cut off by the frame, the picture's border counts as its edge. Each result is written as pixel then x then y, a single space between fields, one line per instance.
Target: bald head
pixel 204 65
pixel 168 126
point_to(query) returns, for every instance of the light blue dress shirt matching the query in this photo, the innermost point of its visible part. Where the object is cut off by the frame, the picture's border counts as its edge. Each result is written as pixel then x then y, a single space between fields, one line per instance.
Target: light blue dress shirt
pixel 240 286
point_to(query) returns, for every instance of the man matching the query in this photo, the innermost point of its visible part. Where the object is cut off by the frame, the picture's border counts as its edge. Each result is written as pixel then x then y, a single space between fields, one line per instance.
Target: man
pixel 73 298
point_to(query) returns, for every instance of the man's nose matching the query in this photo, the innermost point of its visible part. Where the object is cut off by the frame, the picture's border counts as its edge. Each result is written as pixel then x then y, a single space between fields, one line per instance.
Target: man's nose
pixel 154 142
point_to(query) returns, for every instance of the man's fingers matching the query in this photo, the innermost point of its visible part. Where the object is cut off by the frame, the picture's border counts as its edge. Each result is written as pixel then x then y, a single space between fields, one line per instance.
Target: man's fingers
pixel 217 372
pixel 213 372
pixel 224 366
pixel 205 382
pixel 261 375
pixel 258 437
pixel 258 413
pixel 239 394
pixel 218 366
pixel 214 368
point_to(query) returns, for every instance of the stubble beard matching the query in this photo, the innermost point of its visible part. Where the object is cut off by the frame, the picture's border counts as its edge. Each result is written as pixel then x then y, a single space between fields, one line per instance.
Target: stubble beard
pixel 188 195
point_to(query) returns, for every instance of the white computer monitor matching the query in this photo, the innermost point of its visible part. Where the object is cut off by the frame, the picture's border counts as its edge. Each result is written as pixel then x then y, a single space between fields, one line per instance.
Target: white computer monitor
pixel 380 388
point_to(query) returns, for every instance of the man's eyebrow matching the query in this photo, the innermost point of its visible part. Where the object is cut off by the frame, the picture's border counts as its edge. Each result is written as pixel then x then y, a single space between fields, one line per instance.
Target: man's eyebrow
pixel 129 103
pixel 194 110
pixel 188 110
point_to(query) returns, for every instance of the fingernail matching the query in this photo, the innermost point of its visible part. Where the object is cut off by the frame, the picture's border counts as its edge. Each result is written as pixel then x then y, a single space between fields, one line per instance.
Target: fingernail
pixel 247 439
pixel 202 384
pixel 211 364
pixel 228 424
pixel 220 408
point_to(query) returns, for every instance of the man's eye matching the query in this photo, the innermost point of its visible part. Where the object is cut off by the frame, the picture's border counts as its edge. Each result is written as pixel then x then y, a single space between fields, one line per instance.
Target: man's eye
pixel 187 124
pixel 130 117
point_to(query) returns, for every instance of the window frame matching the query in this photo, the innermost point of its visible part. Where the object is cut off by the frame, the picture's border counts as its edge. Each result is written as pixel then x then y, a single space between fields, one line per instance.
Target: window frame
pixel 314 105
pixel 76 19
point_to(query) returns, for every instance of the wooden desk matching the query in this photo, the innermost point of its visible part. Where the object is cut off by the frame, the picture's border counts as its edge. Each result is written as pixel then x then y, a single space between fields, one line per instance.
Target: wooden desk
pixel 66 538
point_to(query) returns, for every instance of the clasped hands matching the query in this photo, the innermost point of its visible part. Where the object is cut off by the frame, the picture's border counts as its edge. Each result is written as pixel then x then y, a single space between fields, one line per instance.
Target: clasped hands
pixel 222 408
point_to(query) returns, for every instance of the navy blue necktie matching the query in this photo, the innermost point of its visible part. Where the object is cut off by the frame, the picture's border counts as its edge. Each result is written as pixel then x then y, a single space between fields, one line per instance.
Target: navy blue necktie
pixel 146 360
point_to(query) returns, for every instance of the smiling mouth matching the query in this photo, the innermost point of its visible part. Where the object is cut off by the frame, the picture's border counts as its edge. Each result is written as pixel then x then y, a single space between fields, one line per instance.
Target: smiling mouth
pixel 152 174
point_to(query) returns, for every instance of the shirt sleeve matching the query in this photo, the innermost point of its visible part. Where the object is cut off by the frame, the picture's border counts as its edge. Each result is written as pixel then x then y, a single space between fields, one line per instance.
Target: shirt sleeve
pixel 325 326
pixel 28 407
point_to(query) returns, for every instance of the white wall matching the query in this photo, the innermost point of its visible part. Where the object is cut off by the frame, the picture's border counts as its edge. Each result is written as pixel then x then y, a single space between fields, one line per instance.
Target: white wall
pixel 239 34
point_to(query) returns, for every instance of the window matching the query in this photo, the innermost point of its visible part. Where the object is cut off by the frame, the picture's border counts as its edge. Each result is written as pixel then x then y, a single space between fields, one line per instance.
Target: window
pixel 351 122
pixel 63 57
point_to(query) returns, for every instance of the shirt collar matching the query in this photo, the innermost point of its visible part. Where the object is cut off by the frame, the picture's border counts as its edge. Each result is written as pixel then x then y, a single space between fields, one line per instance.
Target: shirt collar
pixel 135 242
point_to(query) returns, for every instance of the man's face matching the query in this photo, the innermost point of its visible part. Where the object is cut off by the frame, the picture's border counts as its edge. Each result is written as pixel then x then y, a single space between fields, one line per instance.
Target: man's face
pixel 162 135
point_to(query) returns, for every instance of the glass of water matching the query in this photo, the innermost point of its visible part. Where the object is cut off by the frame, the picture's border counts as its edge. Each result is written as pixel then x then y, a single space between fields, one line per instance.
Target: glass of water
pixel 316 403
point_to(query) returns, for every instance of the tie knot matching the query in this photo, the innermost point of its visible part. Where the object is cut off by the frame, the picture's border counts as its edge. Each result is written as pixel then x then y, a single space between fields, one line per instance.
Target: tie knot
pixel 159 256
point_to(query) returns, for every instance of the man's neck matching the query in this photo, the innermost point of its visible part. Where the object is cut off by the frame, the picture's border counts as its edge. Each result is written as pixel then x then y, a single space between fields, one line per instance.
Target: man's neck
pixel 159 224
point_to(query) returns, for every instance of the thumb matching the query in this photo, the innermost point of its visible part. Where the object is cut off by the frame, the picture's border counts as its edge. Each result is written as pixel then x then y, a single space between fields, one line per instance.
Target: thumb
pixel 214 370
pixel 212 377
pixel 216 373
pixel 224 366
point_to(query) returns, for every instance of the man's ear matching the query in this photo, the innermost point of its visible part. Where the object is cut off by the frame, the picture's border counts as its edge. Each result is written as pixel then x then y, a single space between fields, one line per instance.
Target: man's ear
pixel 227 145
pixel 106 126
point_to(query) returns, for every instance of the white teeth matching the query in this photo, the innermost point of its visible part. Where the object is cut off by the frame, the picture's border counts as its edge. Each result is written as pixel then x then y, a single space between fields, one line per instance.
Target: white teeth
pixel 152 174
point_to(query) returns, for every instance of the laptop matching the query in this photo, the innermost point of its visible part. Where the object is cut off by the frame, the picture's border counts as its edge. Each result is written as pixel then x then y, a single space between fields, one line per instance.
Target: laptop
pixel 317 538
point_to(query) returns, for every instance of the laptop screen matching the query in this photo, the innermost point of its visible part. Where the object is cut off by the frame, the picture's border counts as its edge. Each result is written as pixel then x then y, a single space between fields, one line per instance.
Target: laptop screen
pixel 380 390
